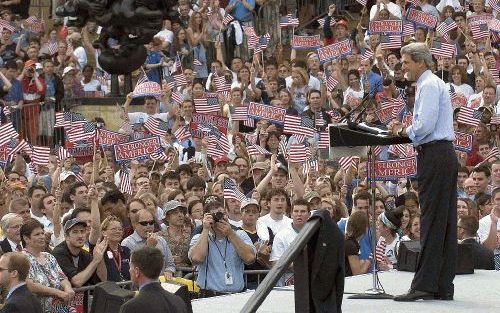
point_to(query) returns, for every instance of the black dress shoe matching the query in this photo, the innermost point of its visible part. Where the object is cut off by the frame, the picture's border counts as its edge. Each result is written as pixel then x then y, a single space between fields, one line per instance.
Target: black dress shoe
pixel 446 297
pixel 414 295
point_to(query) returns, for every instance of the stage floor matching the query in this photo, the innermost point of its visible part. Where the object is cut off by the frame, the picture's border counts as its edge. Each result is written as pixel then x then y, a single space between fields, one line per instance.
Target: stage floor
pixel 478 293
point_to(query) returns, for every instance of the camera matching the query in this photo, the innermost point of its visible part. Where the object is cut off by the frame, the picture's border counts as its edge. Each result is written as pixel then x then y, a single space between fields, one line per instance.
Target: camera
pixel 217 216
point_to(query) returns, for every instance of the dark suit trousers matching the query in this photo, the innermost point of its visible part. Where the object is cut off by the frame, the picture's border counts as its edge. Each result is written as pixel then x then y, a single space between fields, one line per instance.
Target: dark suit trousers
pixel 437 183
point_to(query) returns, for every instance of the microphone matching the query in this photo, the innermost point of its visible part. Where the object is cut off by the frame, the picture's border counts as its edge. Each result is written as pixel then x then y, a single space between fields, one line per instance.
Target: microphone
pixel 350 113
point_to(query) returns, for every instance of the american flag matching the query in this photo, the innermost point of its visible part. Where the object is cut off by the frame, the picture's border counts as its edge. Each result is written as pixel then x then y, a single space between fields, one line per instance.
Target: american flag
pixel 251 138
pixel 398 104
pixel 299 152
pixel 18 146
pixel 177 97
pixel 446 26
pixel 32 19
pixel 494 4
pixel 62 154
pixel 40 155
pixel 227 19
pixel 390 41
pixel 289 20
pixel 480 31
pixel 299 125
pixel 368 54
pixel 217 147
pixel 52 48
pixel 334 115
pixel 182 133
pixel 220 84
pixel 241 114
pixel 159 156
pixel 416 3
pixel 494 25
pixel 380 250
pixel 177 66
pixel 206 105
pixel 310 165
pixel 321 22
pixel 348 162
pixel 442 49
pixel 408 29
pixel 125 185
pixel 282 146
pixel 262 43
pixel 494 153
pixel 83 132
pixel 331 83
pixel 495 119
pixel 256 150
pixel 169 80
pixel 7 132
pixel 324 140
pixel 495 74
pixel 143 78
pixel 65 119
pixel 126 127
pixel 180 79
pixel 319 119
pixel 197 62
pixel 362 2
pixel 469 116
pixel 231 191
pixel 156 126
pixel 249 31
pixel 402 150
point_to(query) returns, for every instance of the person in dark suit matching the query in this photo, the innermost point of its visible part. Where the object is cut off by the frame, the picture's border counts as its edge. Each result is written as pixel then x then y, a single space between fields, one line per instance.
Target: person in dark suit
pixel 14 268
pixel 467 228
pixel 11 228
pixel 146 264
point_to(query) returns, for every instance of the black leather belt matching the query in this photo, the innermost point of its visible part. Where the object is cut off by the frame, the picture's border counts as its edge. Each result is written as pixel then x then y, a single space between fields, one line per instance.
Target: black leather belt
pixel 431 143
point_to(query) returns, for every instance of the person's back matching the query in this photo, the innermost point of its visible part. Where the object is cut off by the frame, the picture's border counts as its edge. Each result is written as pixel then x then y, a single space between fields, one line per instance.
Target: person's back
pixel 146 265
pixel 152 298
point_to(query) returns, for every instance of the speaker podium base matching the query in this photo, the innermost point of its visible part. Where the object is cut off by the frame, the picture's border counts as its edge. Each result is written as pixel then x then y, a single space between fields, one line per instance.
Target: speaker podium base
pixel 372 293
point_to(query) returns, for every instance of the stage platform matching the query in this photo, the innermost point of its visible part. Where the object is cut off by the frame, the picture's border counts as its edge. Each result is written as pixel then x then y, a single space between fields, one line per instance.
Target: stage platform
pixel 477 293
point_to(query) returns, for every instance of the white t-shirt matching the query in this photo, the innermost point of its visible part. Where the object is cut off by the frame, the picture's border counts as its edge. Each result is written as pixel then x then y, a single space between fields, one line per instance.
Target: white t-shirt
pixel 235 223
pixel 282 241
pixel 91 86
pixel 393 8
pixel 276 225
pixel 314 83
pixel 464 89
pixel 81 56
pixel 166 35
pixel 484 228
pixel 391 249
pixel 142 117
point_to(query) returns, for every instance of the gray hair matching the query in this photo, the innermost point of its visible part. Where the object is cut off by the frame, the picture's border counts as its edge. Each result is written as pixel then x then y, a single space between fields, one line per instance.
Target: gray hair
pixel 418 52
pixel 6 220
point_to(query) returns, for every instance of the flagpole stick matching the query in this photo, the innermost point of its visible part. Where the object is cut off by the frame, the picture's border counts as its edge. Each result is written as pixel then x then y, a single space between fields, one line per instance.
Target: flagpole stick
pixel 92 179
pixel 152 169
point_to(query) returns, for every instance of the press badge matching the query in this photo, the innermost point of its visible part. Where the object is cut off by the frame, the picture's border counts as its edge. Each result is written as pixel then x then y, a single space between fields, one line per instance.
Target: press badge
pixel 228 278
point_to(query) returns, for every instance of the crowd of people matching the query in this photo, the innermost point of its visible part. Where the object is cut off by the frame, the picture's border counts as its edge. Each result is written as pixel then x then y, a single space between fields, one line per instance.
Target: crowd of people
pixel 226 190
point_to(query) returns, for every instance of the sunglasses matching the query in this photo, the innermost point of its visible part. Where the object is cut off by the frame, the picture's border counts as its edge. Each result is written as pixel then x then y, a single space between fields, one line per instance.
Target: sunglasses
pixel 146 223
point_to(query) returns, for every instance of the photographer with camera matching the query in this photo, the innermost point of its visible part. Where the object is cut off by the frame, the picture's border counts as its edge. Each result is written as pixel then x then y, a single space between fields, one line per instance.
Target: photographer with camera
pixel 220 253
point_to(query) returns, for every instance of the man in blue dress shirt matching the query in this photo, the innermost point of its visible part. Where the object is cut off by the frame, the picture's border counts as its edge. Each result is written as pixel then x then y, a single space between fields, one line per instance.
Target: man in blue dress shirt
pixel 432 134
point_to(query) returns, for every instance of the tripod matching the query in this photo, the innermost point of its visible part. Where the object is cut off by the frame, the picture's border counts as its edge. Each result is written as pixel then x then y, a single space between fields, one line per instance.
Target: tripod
pixel 376 291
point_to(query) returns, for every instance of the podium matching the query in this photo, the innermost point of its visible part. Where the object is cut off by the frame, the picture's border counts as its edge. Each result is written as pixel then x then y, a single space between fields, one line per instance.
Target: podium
pixel 354 139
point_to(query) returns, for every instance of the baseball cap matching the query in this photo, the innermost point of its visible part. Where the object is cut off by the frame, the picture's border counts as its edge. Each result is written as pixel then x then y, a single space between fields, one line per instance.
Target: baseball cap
pixel 341 23
pixel 311 195
pixel 248 202
pixel 68 69
pixel 260 166
pixel 221 159
pixel 72 223
pixel 65 174
pixel 172 205
pixel 29 63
